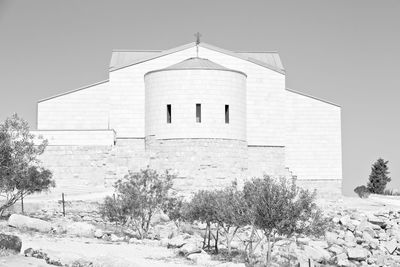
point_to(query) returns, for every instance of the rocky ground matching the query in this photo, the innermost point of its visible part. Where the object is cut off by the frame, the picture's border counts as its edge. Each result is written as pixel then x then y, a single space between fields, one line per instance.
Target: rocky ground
pixel 366 232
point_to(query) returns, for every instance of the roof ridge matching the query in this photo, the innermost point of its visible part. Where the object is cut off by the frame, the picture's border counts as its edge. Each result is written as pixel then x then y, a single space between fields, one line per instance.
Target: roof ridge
pixel 310 96
pixel 74 90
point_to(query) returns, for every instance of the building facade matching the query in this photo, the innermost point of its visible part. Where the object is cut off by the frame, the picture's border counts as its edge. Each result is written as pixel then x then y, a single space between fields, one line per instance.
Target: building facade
pixel 207 114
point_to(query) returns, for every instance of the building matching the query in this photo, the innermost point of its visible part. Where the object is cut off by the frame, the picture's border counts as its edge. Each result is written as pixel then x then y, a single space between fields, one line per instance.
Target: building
pixel 208 114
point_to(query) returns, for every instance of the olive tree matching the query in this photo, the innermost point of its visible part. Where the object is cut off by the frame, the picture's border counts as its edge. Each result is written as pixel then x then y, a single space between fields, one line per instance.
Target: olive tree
pixel 280 208
pixel 138 196
pixel 21 173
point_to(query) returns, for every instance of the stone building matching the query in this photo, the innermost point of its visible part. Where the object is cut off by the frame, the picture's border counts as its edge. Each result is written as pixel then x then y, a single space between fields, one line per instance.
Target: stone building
pixel 209 115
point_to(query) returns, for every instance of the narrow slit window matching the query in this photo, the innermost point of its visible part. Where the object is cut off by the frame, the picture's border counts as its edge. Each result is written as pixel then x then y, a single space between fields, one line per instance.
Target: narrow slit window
pixel 198 113
pixel 168 113
pixel 226 113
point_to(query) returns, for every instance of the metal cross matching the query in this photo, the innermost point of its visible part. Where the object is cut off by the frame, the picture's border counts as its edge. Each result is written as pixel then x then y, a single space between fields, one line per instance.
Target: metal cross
pixel 197 35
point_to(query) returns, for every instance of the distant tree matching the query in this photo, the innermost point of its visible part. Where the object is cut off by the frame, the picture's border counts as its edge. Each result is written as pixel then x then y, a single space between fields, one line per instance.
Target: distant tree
pixel 137 198
pixel 21 173
pixel 379 176
pixel 280 208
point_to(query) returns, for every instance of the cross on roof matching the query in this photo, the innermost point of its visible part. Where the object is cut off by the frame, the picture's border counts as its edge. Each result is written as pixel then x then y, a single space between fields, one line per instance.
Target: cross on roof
pixel 197 35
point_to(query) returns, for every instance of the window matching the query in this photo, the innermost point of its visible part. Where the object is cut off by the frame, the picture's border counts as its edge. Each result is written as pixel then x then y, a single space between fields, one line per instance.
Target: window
pixel 198 113
pixel 226 113
pixel 169 113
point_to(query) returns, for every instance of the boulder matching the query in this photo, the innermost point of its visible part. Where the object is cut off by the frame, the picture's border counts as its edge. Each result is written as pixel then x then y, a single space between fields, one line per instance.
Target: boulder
pixel 10 242
pixel 358 254
pixel 303 240
pixel 178 241
pixel 377 221
pixel 98 233
pixel 319 244
pixel 390 246
pixel 200 258
pixel 81 229
pixel 341 260
pixel 25 222
pixel 315 253
pixel 347 222
pixel 190 248
pixel 336 249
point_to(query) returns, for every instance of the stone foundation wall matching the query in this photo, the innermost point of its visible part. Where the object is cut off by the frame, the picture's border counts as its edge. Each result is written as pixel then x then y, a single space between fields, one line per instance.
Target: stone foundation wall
pixel 268 160
pixel 199 163
pixel 325 188
pixel 81 169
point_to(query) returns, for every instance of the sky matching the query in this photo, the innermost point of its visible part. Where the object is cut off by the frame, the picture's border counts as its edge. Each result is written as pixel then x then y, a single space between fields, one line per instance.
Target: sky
pixel 346 52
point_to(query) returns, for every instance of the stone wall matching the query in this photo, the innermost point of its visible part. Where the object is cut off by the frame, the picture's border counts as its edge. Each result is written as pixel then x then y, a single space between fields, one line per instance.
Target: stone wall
pixel 269 160
pixel 81 169
pixel 199 163
pixel 325 188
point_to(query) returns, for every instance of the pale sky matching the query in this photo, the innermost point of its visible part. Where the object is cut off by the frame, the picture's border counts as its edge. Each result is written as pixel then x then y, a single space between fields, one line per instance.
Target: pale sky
pixel 347 52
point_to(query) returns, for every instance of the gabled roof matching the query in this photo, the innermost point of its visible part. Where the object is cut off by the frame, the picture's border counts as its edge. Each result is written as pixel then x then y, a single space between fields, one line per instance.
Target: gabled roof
pixel 124 58
pixel 313 97
pixel 196 63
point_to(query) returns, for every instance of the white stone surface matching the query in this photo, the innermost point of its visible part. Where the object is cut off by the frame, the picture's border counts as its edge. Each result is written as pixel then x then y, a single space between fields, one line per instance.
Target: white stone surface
pixel 183 89
pixel 76 137
pixel 86 108
pixel 313 138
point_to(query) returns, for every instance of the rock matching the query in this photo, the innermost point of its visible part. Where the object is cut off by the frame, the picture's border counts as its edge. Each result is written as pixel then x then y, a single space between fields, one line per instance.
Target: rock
pixel 336 249
pixel 383 237
pixel 10 242
pixel 319 244
pixel 347 222
pixel 390 246
pixel 178 241
pixel 303 240
pixel 81 229
pixel 200 258
pixel 377 221
pixel 25 222
pixel 115 238
pixel 341 260
pixel 358 254
pixel 98 233
pixel 315 253
pixel 190 248
pixel 349 236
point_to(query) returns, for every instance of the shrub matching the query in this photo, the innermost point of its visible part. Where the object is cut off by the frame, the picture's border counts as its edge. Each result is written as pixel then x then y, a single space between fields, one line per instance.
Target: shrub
pixel 279 207
pixel 391 192
pixel 378 177
pixel 231 213
pixel 20 170
pixel 362 191
pixel 137 197
pixel 203 208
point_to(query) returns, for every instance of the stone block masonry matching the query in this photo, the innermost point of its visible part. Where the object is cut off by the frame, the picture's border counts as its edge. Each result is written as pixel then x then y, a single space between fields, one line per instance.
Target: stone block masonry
pixel 198 163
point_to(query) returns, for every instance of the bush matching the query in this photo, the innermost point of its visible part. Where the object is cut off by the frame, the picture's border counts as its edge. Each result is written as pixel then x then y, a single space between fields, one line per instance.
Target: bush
pixel 362 191
pixel 280 208
pixel 20 170
pixel 391 192
pixel 137 197
pixel 231 213
pixel 378 177
pixel 203 208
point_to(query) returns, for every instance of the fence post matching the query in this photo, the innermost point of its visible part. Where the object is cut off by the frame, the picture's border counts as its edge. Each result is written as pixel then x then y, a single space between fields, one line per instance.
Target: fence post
pixel 63 204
